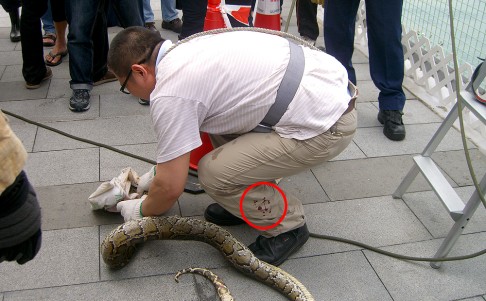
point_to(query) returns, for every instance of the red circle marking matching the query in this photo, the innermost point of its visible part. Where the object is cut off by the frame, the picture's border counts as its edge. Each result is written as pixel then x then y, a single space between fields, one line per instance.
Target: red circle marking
pixel 263 228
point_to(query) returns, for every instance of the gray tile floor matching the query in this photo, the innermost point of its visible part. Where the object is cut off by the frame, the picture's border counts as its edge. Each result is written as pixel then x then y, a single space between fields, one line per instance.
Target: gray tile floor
pixel 350 197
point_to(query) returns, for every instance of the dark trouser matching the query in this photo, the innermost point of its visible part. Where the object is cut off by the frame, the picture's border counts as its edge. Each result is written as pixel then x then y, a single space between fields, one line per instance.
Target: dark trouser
pixel 194 13
pixel 88 37
pixel 33 68
pixel 384 43
pixel 306 19
pixel 10 5
pixel 58 10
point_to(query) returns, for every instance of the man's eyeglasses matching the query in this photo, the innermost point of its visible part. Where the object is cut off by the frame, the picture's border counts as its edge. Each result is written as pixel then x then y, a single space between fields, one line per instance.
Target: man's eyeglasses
pixel 122 88
pixel 124 85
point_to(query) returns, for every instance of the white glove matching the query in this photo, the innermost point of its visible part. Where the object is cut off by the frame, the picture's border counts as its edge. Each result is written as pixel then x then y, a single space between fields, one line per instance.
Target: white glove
pixel 131 209
pixel 145 181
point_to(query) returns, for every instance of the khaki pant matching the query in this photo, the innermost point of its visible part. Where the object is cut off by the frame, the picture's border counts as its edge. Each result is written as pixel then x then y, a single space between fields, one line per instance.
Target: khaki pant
pixel 240 161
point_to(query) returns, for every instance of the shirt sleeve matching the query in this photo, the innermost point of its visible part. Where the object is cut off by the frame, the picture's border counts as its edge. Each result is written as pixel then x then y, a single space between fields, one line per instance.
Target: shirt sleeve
pixel 176 124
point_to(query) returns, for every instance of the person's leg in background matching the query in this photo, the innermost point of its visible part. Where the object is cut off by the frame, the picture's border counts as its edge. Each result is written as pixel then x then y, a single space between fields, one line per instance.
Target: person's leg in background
pixel 170 16
pixel 308 28
pixel 194 12
pixel 339 24
pixel 34 69
pixel 101 43
pixel 148 15
pixel 383 18
pixel 12 7
pixel 81 39
pixel 49 37
pixel 128 12
pixel 55 56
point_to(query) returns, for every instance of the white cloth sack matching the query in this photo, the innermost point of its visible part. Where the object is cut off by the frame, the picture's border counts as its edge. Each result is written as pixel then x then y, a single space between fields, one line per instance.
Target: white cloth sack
pixel 108 194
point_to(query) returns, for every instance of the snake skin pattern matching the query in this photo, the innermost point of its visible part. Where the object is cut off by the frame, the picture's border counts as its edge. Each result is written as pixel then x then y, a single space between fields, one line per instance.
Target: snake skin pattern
pixel 119 246
pixel 221 288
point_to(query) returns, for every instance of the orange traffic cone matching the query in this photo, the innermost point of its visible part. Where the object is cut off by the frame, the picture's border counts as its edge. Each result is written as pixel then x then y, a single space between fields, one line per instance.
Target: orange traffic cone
pixel 214 18
pixel 268 14
pixel 198 153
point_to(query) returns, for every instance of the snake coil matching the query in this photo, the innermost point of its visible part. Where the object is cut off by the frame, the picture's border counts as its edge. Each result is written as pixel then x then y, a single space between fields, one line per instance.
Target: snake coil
pixel 119 246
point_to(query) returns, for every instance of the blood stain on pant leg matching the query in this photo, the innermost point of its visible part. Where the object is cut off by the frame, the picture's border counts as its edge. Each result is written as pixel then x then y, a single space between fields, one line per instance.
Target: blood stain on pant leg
pixel 263 206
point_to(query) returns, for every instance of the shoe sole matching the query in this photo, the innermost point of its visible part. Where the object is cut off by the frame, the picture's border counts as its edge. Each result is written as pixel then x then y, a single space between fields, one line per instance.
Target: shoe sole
pixel 79 110
pixel 393 137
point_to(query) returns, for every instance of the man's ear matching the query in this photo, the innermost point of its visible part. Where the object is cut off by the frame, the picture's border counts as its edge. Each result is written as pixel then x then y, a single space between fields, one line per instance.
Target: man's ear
pixel 139 70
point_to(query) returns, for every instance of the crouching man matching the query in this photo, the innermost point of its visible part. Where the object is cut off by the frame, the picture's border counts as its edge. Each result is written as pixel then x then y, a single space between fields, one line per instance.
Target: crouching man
pixel 272 109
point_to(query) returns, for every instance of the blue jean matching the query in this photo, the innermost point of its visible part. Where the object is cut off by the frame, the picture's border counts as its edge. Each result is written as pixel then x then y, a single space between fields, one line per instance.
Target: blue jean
pixel 169 11
pixel 88 37
pixel 47 22
pixel 383 18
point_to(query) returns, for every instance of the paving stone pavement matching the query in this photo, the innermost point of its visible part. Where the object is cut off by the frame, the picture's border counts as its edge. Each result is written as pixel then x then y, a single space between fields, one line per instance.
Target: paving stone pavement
pixel 350 197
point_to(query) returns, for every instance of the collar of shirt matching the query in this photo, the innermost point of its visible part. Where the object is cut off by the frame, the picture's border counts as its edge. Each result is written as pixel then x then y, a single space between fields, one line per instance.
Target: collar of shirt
pixel 163 49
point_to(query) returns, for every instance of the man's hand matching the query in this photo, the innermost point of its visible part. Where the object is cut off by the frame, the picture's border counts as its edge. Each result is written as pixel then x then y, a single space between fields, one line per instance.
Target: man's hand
pixel 318 2
pixel 131 209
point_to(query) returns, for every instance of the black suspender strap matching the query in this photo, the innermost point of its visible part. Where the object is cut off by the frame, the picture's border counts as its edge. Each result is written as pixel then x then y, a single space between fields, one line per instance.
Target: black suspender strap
pixel 286 91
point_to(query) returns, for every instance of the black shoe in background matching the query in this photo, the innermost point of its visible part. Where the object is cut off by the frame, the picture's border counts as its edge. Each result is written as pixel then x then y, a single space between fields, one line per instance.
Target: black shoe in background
pixel 275 250
pixel 394 129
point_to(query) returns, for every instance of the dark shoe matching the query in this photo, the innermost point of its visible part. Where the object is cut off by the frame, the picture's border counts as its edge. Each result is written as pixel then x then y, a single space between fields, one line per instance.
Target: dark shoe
pixel 108 77
pixel 174 25
pixel 80 100
pixel 47 76
pixel 220 216
pixel 275 250
pixel 15 21
pixel 143 102
pixel 151 26
pixel 394 128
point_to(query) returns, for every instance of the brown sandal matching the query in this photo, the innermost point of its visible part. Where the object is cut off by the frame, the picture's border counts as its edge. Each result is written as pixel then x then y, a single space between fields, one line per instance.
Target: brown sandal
pixel 49 39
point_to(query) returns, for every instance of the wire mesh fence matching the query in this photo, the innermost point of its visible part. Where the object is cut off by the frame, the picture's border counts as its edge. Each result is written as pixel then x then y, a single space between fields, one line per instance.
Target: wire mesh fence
pixel 430 18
